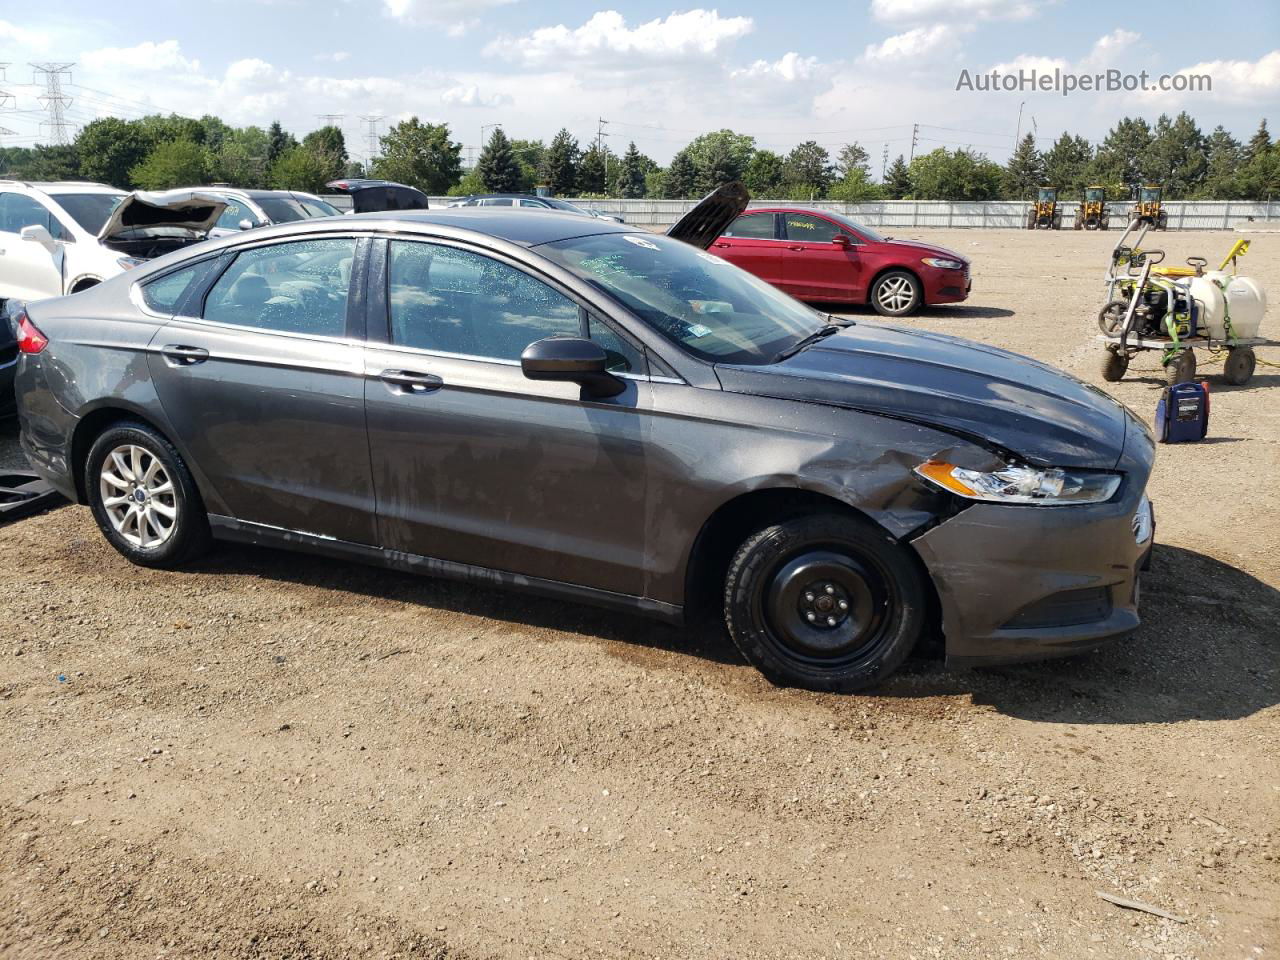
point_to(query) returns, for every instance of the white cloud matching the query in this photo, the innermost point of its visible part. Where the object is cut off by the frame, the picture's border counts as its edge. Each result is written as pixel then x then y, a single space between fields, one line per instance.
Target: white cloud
pixel 166 55
pixel 469 95
pixel 456 15
pixel 1239 81
pixel 1108 49
pixel 691 35
pixel 915 43
pixel 789 68
pixel 338 56
pixel 12 35
pixel 898 11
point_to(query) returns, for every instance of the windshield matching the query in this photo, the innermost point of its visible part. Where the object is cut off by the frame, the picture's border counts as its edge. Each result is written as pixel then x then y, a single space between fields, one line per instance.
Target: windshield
pixel 90 210
pixel 318 208
pixel 704 304
pixel 1150 195
pixel 565 205
pixel 865 232
pixel 1093 195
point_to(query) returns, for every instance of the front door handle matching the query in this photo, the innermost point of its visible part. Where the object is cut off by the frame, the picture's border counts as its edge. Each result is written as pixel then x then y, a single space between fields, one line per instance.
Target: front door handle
pixel 722 245
pixel 795 248
pixel 184 356
pixel 411 381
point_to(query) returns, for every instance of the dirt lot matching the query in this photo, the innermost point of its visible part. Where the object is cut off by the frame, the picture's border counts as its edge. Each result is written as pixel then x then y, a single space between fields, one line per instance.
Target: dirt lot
pixel 279 756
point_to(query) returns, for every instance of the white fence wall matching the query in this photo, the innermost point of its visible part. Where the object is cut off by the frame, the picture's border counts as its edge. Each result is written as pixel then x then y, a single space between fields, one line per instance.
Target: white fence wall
pixel 937 214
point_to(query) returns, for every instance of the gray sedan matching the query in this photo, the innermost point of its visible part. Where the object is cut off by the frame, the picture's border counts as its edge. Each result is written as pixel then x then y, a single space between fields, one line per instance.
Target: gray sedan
pixel 590 411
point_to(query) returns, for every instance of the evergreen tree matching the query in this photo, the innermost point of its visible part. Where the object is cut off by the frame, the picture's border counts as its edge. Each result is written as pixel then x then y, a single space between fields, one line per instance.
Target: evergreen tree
pixel 681 177
pixel 329 147
pixel 807 171
pixel 897 180
pixel 631 174
pixel 592 171
pixel 1224 157
pixel 1119 159
pixel 852 159
pixel 1025 172
pixel 498 168
pixel 763 176
pixel 1259 144
pixel 560 163
pixel 1176 157
pixel 529 155
pixel 1066 164
pixel 278 142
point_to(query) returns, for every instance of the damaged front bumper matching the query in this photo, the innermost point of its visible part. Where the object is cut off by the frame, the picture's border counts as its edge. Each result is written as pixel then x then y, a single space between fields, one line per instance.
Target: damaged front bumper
pixel 1019 583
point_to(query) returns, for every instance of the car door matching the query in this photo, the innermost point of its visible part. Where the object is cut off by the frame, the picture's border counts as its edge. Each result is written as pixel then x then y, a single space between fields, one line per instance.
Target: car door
pixel 234 216
pixel 263 382
pixel 814 264
pixel 475 464
pixel 751 242
pixel 29 270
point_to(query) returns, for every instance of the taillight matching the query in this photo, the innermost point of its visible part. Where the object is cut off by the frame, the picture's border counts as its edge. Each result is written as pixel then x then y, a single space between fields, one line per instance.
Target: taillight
pixel 30 339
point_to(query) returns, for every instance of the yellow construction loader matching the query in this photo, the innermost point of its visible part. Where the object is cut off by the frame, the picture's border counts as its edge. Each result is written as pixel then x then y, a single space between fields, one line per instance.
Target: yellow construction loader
pixel 1092 212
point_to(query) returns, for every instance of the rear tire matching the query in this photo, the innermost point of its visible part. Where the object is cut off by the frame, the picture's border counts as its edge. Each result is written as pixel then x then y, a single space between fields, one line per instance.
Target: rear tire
pixel 1239 366
pixel 1182 368
pixel 896 294
pixel 143 497
pixel 825 602
pixel 1114 366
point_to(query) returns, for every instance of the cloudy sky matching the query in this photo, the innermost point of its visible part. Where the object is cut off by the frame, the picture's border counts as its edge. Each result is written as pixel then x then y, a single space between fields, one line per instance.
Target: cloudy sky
pixel 835 72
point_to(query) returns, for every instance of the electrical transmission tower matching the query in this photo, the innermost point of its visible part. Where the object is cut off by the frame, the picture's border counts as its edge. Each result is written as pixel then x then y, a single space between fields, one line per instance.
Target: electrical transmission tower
pixel 6 98
pixel 332 119
pixel 54 100
pixel 372 120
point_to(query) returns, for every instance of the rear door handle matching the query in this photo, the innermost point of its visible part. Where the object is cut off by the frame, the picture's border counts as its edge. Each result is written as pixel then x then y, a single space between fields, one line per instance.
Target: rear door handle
pixel 722 245
pixel 795 248
pixel 184 356
pixel 411 380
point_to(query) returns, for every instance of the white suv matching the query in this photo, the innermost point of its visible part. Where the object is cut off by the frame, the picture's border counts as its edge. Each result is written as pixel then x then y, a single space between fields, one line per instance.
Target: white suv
pixel 58 238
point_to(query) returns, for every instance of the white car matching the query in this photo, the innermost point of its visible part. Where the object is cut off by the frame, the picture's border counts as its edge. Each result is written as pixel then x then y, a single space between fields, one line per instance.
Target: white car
pixel 59 238
pixel 247 209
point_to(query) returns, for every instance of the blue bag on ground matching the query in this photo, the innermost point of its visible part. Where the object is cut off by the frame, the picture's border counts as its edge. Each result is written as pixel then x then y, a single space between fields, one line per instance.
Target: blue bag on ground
pixel 1183 413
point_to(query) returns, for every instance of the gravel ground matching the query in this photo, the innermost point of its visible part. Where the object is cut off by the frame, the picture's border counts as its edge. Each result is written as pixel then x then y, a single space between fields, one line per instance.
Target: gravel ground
pixel 270 755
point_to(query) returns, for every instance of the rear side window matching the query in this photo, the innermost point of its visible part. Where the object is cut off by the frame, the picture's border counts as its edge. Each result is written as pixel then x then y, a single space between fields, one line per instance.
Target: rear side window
pixel 168 294
pixel 757 226
pixel 298 287
pixel 809 229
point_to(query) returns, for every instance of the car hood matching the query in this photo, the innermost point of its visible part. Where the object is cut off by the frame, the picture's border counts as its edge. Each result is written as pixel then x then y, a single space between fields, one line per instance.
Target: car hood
pixel 922 249
pixel 711 216
pixel 1011 402
pixel 164 213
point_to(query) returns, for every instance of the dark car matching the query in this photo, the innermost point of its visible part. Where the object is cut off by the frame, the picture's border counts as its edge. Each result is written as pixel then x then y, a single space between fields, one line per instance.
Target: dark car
pixel 378 196
pixel 247 209
pixel 600 414
pixel 819 256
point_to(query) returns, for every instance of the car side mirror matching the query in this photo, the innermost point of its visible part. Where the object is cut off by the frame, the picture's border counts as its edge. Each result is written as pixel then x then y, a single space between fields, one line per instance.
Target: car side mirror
pixel 245 224
pixel 571 359
pixel 842 240
pixel 38 233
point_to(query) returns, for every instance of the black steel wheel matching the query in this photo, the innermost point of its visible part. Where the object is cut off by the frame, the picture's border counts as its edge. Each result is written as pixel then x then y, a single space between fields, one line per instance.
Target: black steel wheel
pixel 825 602
pixel 1182 368
pixel 1239 365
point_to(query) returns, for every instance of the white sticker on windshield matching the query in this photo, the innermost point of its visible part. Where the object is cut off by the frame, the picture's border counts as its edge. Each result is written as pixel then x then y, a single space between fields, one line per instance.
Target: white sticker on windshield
pixel 711 257
pixel 642 242
pixel 698 330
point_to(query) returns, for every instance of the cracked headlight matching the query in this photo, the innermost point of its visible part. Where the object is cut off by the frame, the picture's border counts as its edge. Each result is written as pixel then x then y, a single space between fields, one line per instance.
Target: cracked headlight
pixel 1049 487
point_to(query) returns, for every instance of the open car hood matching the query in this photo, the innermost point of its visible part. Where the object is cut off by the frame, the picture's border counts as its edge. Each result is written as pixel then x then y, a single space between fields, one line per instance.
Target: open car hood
pixel 163 213
pixel 712 215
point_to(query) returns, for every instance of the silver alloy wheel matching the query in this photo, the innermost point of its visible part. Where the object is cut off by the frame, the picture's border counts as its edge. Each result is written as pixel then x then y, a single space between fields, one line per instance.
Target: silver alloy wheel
pixel 896 293
pixel 138 496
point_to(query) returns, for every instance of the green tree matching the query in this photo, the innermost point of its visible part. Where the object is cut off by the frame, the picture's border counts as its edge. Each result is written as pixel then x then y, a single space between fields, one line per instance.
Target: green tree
pixel 51 162
pixel 763 176
pixel 1258 144
pixel 241 160
pixel 109 148
pixel 329 147
pixel 897 180
pixel 631 172
pixel 1176 156
pixel 298 169
pixel 851 159
pixel 421 155
pixel 954 175
pixel 720 157
pixel 655 182
pixel 560 163
pixel 855 187
pixel 173 163
pixel 806 172
pixel 593 171
pixel 215 132
pixel 498 168
pixel 1223 159
pixel 529 156
pixel 157 129
pixel 278 142
pixel 1066 164
pixel 1119 158
pixel 1025 171
pixel 1260 176
pixel 681 177
pixel 468 185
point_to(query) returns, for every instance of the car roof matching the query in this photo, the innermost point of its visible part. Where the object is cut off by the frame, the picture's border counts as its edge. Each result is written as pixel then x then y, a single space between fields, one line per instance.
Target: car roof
pixel 528 228
pixel 55 187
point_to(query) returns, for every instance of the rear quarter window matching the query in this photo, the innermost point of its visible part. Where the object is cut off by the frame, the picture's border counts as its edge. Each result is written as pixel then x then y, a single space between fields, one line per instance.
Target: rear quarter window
pixel 169 293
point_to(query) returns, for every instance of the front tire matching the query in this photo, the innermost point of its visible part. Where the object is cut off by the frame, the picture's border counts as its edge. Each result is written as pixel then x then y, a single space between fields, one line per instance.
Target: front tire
pixel 825 602
pixel 1114 365
pixel 143 497
pixel 1181 368
pixel 1240 365
pixel 896 294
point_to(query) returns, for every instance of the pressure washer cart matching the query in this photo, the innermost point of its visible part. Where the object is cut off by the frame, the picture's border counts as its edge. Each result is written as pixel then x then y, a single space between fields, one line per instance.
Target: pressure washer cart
pixel 1178 310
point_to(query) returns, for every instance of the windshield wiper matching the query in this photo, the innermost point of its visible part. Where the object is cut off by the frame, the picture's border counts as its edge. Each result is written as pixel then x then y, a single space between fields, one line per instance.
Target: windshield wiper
pixel 825 330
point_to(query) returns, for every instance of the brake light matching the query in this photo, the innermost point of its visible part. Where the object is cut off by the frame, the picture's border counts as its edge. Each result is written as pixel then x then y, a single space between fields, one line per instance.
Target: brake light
pixel 30 339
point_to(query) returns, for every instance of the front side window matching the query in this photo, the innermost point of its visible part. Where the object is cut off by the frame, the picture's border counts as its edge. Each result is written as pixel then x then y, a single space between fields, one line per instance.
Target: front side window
pixel 453 301
pixel 298 287
pixel 695 299
pixel 236 211
pixel 758 226
pixel 810 229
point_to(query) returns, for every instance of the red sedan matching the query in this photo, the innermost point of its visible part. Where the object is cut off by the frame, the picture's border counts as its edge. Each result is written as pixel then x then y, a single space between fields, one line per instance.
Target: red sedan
pixel 821 256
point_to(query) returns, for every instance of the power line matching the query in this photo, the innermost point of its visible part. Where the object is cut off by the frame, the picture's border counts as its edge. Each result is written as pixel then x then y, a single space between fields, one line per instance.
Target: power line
pixel 54 100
